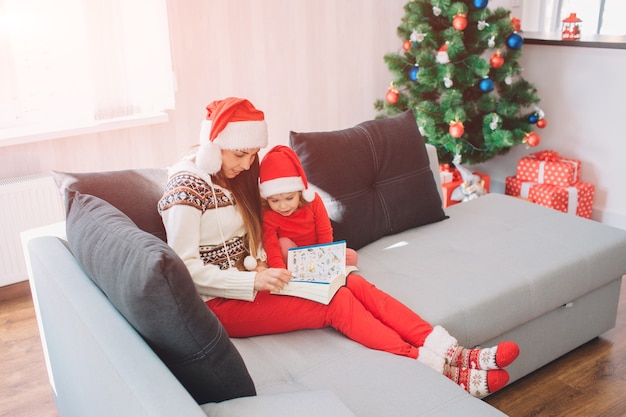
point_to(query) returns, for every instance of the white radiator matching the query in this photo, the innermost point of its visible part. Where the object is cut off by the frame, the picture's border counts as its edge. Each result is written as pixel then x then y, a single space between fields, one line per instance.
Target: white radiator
pixel 25 203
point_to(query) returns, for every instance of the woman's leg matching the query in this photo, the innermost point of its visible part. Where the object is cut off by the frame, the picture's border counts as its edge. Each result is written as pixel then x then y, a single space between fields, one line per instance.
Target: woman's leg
pixel 415 330
pixel 270 314
pixel 408 324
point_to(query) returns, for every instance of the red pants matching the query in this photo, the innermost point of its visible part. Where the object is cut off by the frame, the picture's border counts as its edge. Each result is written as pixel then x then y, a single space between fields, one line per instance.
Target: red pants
pixel 359 310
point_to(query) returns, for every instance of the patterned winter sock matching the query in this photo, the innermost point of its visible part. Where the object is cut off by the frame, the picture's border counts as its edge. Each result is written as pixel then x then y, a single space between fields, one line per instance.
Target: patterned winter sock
pixel 431 359
pixel 477 382
pixel 443 344
pixel 495 357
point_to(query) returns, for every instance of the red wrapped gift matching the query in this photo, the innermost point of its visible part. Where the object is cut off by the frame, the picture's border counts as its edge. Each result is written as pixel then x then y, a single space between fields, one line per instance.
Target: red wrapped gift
pixel 449 187
pixel 576 199
pixel 448 174
pixel 548 167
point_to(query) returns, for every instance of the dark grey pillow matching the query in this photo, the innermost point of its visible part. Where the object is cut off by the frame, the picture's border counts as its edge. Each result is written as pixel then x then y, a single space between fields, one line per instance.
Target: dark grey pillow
pixel 135 192
pixel 151 287
pixel 375 178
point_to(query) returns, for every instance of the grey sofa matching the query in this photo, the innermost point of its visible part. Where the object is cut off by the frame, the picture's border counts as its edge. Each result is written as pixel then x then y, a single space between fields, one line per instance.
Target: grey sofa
pixel 498 268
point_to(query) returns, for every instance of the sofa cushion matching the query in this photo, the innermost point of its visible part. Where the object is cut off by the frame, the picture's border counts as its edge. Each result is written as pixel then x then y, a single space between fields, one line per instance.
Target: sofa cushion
pixel 151 286
pixel 313 403
pixel 375 178
pixel 135 192
pixel 497 264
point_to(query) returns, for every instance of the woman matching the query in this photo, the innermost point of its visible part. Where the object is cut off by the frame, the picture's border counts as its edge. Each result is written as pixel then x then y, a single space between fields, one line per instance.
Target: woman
pixel 211 209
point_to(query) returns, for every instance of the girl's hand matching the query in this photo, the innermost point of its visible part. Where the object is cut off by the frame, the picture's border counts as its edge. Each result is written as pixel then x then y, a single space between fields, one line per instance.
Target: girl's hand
pixel 271 279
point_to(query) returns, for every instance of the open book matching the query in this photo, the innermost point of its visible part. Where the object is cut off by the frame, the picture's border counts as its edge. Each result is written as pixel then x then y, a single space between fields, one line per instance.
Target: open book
pixel 318 271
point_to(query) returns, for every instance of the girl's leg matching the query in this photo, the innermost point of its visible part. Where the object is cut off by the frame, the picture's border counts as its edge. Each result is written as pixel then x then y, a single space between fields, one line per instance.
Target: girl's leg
pixel 270 314
pixel 285 244
pixel 352 258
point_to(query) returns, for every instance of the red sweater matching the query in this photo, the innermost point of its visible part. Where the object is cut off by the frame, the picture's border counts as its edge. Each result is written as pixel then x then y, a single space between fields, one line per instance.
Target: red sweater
pixel 309 225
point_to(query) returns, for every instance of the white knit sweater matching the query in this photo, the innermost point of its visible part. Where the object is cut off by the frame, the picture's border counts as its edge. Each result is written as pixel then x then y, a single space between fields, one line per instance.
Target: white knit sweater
pixel 192 219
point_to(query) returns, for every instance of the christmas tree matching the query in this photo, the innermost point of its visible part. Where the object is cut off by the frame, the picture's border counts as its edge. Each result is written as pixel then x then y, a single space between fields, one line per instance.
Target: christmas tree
pixel 458 71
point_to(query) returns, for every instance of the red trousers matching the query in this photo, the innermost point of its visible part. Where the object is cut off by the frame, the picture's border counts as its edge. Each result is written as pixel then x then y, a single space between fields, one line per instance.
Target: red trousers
pixel 359 310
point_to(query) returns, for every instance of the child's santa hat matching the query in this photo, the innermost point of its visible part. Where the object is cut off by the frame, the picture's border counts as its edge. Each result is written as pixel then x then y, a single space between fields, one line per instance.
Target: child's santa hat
pixel 281 172
pixel 232 124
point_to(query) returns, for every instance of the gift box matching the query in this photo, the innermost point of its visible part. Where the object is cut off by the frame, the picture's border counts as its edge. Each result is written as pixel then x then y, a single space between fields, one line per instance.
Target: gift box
pixel 548 167
pixel 448 174
pixel 449 187
pixel 575 199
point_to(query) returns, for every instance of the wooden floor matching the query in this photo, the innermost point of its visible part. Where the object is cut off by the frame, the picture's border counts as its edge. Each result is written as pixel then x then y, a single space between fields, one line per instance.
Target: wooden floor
pixel 589 381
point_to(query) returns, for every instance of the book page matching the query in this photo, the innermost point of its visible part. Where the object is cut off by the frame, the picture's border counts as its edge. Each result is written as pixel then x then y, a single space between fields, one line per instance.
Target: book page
pixel 317 263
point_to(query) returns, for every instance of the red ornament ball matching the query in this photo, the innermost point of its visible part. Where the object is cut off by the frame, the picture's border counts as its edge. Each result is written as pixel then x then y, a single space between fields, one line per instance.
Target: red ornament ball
pixel 456 129
pixel 541 123
pixel 459 22
pixel 532 139
pixel 496 60
pixel 392 95
pixel 406 45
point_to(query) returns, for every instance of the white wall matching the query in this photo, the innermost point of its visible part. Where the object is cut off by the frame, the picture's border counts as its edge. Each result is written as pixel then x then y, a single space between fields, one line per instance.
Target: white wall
pixel 307 64
pixel 582 92
pixel 318 65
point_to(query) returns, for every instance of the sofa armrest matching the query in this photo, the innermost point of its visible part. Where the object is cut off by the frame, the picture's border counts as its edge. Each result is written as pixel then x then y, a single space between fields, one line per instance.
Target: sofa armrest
pixel 434 166
pixel 97 363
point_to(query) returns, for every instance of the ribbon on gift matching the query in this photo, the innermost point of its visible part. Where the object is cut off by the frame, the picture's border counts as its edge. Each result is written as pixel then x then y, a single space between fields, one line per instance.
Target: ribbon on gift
pixel 572 200
pixel 525 189
pixel 551 156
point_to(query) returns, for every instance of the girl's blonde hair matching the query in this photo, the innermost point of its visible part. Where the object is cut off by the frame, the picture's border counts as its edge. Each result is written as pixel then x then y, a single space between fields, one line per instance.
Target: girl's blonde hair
pixel 301 203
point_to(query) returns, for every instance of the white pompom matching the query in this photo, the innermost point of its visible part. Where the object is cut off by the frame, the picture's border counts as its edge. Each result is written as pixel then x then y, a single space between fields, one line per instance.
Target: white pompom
pixel 250 263
pixel 308 195
pixel 209 157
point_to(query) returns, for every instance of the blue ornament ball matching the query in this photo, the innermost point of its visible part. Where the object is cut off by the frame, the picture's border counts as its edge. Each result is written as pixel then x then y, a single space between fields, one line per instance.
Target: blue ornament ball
pixel 486 85
pixel 514 41
pixel 533 118
pixel 413 73
pixel 480 4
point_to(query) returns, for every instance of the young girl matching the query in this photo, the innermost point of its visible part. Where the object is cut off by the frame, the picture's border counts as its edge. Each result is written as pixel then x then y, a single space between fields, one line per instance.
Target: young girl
pixel 295 218
pixel 212 214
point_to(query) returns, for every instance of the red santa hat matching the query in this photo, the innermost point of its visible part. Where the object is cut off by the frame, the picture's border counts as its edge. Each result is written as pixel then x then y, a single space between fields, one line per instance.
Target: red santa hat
pixel 281 172
pixel 232 124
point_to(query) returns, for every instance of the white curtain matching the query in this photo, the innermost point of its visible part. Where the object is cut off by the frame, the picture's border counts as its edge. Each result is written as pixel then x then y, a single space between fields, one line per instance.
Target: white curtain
pixel 73 61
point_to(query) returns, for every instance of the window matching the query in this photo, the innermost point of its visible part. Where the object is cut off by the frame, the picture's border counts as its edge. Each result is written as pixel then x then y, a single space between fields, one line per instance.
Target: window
pixel 74 63
pixel 602 17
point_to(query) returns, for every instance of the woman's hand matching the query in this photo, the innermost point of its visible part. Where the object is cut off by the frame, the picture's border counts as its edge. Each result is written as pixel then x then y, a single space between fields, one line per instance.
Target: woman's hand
pixel 272 279
pixel 261 266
